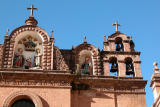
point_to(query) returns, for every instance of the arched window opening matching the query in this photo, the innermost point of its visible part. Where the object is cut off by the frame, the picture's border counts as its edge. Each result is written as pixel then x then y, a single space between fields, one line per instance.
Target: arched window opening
pixel 23 103
pixel 119 44
pixel 113 66
pixel 129 67
pixel 132 46
pixel 85 62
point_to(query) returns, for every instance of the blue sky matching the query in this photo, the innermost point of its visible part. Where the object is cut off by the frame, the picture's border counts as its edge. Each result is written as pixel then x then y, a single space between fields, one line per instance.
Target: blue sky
pixel 72 19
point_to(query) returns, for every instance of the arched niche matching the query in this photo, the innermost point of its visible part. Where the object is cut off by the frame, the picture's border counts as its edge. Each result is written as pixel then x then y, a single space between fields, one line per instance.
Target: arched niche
pixel 9 46
pixel 28 50
pixel 132 45
pixel 90 50
pixel 119 45
pixel 113 66
pixel 86 62
pixel 129 68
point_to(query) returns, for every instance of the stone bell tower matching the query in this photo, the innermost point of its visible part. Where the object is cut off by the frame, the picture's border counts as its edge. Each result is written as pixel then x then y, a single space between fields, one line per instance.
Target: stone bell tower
pixel 121 61
pixel 118 50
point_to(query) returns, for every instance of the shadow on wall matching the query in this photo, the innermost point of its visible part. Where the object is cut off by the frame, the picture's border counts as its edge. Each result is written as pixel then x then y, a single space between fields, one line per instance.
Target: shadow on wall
pixel 84 98
pixel 45 104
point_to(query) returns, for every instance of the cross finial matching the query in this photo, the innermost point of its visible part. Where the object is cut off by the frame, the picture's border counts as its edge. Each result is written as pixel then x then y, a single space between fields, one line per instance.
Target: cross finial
pixel 116 24
pixel 32 8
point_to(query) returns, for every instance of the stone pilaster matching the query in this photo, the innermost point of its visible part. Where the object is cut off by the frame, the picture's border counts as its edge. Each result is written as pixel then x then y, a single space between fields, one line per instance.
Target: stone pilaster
pixel 126 46
pixel 99 65
pixel 106 67
pixel 137 68
pixel 112 46
pixel 95 67
pixel 121 69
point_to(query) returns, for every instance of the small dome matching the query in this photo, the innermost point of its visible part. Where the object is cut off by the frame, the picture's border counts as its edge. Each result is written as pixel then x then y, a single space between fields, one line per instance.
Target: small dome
pixel 31 21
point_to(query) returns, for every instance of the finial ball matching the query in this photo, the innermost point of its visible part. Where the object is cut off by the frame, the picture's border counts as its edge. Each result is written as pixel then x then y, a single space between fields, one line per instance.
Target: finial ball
pixel 155 63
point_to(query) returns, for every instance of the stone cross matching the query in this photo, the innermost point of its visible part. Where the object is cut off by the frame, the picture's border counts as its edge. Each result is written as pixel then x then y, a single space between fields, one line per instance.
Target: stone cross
pixel 32 8
pixel 116 24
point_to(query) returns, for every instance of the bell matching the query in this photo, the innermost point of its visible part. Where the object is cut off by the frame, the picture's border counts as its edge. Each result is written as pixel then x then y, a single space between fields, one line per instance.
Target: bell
pixel 114 67
pixel 118 48
pixel 129 69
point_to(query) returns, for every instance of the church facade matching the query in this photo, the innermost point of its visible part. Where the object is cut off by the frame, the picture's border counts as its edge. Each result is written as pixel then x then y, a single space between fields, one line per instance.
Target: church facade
pixel 36 73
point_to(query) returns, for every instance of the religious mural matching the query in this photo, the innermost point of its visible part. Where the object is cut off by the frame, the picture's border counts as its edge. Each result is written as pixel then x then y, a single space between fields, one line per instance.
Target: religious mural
pixel 18 60
pixel 28 53
pixel 29 44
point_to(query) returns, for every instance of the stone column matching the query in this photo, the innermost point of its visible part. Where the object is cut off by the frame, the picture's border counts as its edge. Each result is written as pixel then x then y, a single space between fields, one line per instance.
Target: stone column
pixel 137 68
pixel 105 46
pixel 106 67
pixel 112 46
pixel 121 69
pixel 126 46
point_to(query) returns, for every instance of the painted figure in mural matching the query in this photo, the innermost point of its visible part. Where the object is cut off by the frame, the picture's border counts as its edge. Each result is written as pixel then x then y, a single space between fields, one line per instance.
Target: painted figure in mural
pixel 18 59
pixel 29 45
pixel 87 66
pixel 38 58
pixel 28 63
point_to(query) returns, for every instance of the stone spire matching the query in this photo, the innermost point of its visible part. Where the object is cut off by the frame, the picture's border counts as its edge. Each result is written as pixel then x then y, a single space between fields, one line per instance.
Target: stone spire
pixel 31 20
pixel 85 39
pixel 52 37
pixel 7 32
pixel 105 38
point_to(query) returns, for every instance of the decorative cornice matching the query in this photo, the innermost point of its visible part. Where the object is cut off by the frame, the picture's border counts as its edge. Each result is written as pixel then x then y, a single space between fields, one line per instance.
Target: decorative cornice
pixel 23 28
pixel 137 62
pixel 121 53
pixel 115 34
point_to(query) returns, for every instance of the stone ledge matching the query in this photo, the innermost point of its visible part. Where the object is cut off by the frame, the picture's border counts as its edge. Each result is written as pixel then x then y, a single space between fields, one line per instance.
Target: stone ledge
pixel 155 77
pixel 121 53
